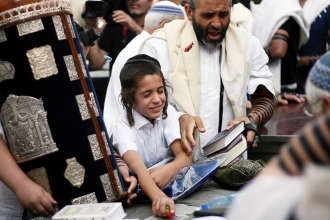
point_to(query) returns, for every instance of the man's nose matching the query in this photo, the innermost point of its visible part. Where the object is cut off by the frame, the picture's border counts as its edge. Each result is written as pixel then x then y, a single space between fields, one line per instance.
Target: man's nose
pixel 216 23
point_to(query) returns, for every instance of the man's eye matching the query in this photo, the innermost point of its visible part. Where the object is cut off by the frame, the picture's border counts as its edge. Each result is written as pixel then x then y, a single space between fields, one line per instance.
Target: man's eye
pixel 207 15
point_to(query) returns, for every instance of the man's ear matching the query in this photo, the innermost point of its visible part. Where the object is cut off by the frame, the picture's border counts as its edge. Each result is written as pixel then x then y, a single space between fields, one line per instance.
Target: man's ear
pixel 326 104
pixel 188 12
pixel 162 24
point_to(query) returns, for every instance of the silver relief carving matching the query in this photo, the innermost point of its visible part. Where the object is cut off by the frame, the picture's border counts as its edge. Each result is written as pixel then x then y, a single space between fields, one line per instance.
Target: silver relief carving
pixel 39 176
pixel 32 10
pixel 30 27
pixel 59 27
pixel 105 180
pixel 83 108
pixel 74 172
pixel 95 147
pixel 73 75
pixel 87 199
pixel 3 37
pixel 7 70
pixel 93 105
pixel 42 62
pixel 25 123
pixel 118 181
pixel 71 26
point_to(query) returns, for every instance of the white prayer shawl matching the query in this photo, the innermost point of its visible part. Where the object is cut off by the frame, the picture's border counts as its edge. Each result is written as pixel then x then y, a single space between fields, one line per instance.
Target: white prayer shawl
pixel 313 8
pixel 185 68
pixel 242 16
pixel 271 16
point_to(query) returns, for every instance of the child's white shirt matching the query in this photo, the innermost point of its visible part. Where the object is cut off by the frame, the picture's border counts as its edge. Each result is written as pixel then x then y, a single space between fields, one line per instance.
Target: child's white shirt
pixel 152 142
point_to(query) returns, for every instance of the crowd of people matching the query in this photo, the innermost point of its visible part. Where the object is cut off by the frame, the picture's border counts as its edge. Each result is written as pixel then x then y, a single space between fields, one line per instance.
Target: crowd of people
pixel 181 72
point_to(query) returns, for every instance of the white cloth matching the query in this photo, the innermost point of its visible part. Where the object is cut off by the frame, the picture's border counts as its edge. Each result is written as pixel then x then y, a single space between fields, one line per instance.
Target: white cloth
pixel 313 8
pixel 210 83
pixel 242 16
pixel 112 104
pixel 152 142
pixel 77 7
pixel 270 197
pixel 271 15
pixel 10 208
pixel 281 197
pixel 183 10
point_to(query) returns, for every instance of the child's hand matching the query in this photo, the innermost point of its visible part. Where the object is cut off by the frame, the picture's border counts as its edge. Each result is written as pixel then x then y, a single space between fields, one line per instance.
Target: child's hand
pixel 162 175
pixel 159 207
pixel 131 183
pixel 35 199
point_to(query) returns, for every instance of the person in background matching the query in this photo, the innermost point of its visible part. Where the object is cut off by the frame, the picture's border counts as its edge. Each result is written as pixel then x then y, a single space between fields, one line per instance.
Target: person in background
pixel 294 184
pixel 282 30
pixel 124 27
pixel 177 2
pixel 160 14
pixel 317 14
pixel 193 52
pixel 148 131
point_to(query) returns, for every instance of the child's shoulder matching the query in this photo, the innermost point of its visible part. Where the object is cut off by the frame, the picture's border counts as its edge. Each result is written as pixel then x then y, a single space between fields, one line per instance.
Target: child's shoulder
pixel 122 119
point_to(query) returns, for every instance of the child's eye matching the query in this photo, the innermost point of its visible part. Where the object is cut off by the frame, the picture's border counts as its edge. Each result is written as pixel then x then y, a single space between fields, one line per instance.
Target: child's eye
pixel 146 95
pixel 160 91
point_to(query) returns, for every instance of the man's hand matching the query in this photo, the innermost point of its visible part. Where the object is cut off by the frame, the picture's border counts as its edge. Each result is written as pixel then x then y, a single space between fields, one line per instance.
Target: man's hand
pixel 285 98
pixel 35 199
pixel 250 134
pixel 162 175
pixel 124 19
pixel 187 125
pixel 131 183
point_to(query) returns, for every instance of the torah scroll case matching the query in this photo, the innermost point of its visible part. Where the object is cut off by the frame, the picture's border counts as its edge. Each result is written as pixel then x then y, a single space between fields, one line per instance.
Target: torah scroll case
pixel 49 111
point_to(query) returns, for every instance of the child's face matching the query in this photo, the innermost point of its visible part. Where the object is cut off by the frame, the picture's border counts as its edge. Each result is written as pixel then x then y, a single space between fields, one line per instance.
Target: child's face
pixel 149 97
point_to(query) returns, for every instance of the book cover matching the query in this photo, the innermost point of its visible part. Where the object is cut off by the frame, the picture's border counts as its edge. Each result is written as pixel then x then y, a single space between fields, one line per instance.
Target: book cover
pixel 104 211
pixel 223 139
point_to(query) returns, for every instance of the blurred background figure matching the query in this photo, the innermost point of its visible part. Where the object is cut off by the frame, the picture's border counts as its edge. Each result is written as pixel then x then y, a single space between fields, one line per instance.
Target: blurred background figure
pixel 123 20
pixel 318 86
pixel 295 184
pixel 160 14
pixel 317 14
pixel 282 29
pixel 178 3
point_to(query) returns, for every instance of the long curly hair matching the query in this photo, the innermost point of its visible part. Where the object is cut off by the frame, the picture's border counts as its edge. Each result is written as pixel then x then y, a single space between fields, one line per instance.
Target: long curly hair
pixel 134 70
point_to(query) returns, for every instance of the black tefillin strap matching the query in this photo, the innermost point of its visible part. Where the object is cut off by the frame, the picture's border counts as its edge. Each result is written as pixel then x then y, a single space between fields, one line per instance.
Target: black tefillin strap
pixel 220 105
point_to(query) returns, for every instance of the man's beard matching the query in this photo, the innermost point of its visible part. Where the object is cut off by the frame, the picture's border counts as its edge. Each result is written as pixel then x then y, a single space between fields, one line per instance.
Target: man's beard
pixel 201 34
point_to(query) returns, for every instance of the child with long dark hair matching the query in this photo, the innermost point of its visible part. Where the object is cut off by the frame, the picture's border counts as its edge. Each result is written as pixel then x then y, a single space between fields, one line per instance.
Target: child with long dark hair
pixel 149 130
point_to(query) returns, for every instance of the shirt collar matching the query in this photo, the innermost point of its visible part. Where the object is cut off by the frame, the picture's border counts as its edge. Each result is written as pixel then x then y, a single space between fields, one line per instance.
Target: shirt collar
pixel 141 121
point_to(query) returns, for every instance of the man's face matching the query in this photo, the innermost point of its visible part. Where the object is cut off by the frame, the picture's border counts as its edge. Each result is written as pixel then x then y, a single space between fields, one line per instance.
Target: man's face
pixel 210 21
pixel 138 8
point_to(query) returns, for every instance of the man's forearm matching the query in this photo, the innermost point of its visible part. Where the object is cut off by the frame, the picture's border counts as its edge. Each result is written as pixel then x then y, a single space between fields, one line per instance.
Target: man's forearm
pixel 10 173
pixel 262 106
pixel 96 57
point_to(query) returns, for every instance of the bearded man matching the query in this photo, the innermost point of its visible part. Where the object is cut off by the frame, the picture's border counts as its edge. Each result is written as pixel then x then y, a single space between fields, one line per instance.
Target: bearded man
pixel 212 64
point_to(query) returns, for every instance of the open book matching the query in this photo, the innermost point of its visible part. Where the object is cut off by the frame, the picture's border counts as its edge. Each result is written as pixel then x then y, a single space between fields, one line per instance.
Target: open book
pixel 224 140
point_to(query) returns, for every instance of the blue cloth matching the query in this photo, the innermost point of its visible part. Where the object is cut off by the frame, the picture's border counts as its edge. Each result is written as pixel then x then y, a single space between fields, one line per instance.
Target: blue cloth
pixel 316 45
pixel 320 73
pixel 317 42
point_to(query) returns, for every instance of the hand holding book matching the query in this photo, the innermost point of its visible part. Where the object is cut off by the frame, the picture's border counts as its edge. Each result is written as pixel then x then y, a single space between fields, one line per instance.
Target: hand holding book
pixel 253 133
